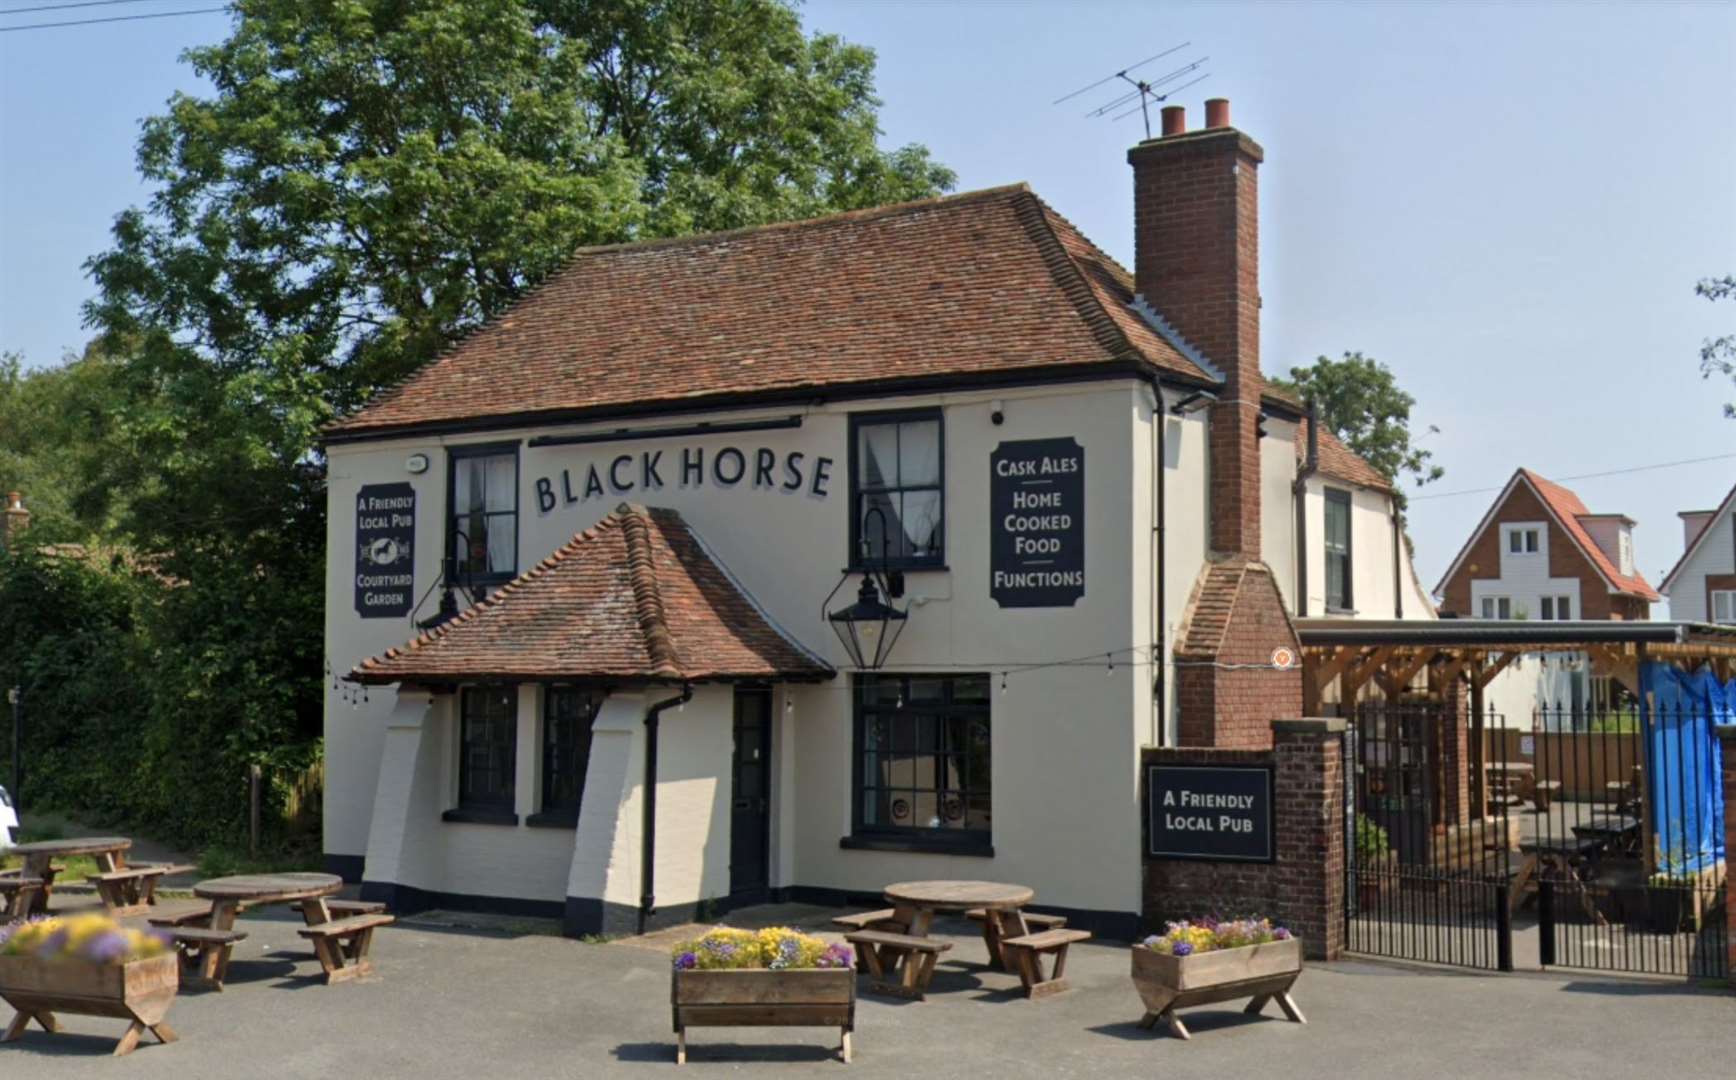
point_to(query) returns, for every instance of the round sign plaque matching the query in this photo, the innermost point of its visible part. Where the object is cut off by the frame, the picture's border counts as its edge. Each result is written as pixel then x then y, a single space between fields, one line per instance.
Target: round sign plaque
pixel 1283 658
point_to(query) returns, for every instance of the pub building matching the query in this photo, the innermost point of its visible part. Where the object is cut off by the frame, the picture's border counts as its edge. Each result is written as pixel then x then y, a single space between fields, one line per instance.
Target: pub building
pixel 788 562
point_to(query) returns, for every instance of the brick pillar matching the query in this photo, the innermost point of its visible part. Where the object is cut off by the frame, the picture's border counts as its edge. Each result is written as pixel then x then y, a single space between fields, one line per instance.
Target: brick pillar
pixel 1309 790
pixel 16 520
pixel 1727 737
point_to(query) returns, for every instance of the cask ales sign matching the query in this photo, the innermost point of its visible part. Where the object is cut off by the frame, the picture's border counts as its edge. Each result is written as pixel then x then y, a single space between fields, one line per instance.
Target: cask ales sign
pixel 1037 531
pixel 1221 813
pixel 385 543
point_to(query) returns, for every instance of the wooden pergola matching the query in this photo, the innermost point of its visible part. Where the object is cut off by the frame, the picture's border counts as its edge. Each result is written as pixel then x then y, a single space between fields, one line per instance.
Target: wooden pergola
pixel 1390 654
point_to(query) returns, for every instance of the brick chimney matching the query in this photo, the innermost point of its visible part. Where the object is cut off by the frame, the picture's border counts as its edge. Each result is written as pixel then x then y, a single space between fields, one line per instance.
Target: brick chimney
pixel 1196 261
pixel 17 518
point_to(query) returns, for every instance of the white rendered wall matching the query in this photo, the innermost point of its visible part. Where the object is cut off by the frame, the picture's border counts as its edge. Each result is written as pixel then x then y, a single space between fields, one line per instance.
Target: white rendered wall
pixel 1065 739
pixel 1687 593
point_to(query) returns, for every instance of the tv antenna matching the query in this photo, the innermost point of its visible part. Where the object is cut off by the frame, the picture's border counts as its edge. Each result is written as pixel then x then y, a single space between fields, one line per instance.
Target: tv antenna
pixel 1146 91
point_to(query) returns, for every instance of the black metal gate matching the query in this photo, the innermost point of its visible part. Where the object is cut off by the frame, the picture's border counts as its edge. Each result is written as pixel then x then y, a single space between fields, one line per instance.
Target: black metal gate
pixel 1587 836
pixel 1623 822
pixel 1428 878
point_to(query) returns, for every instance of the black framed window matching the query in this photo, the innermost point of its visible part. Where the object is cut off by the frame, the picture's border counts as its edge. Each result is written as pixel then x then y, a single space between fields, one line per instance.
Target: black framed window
pixel 1337 542
pixel 487 749
pixel 898 466
pixel 568 714
pixel 923 753
pixel 482 526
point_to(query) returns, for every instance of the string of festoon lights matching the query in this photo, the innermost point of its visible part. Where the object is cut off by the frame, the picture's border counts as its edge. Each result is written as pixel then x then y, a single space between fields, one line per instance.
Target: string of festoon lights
pixel 1131 656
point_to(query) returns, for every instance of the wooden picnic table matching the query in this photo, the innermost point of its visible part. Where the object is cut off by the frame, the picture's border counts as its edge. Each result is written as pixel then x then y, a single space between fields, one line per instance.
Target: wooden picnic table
pixel 917 902
pixel 110 853
pixel 230 896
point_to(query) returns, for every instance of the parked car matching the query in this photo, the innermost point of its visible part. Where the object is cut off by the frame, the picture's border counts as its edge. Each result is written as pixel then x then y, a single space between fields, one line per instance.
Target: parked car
pixel 8 819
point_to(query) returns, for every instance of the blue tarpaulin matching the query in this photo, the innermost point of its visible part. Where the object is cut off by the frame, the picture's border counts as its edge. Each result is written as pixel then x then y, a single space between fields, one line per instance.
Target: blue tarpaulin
pixel 1684 764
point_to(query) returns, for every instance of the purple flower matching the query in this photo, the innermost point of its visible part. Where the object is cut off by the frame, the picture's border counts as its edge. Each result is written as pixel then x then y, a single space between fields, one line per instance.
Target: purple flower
pixel 1151 942
pixel 52 945
pixel 1280 934
pixel 106 947
pixel 837 956
pixel 687 961
pixel 1181 948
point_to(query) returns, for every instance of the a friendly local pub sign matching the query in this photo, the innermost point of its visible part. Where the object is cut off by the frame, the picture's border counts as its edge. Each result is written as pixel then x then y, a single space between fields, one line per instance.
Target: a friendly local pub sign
pixel 1221 813
pixel 385 544
pixel 1037 526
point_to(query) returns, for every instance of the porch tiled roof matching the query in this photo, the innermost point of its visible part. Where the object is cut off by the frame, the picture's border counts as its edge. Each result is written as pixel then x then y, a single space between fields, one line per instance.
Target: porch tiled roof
pixel 636 596
pixel 991 282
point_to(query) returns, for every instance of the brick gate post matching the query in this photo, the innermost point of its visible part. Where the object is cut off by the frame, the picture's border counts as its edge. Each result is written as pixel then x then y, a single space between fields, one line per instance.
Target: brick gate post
pixel 1727 737
pixel 1310 828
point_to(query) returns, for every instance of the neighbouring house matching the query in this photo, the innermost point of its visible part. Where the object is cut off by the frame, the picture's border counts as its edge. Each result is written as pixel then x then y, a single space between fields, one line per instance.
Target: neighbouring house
pixel 796 560
pixel 1539 554
pixel 1702 585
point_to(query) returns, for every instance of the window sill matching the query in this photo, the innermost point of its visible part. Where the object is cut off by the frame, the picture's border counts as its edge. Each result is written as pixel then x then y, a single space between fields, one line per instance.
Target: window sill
pixel 919 568
pixel 973 848
pixel 1330 610
pixel 480 817
pixel 558 819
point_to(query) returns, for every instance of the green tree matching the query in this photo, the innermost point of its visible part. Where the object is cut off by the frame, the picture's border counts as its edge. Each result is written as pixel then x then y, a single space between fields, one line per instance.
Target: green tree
pixel 1360 401
pixel 1718 355
pixel 51 419
pixel 369 180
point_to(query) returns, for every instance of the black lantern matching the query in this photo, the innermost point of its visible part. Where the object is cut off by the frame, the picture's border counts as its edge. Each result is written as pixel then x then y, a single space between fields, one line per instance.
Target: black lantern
pixel 869 627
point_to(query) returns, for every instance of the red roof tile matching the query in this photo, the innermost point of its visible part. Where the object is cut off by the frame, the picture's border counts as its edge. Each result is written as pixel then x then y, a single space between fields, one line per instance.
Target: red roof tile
pixel 990 282
pixel 636 596
pixel 1339 461
pixel 1567 508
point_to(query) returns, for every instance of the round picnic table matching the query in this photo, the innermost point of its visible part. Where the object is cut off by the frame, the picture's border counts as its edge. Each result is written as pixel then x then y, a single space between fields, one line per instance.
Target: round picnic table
pixel 230 896
pixel 39 856
pixel 917 902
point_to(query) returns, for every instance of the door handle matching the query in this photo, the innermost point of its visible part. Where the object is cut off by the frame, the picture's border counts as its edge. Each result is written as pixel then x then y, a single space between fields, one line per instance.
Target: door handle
pixel 743 804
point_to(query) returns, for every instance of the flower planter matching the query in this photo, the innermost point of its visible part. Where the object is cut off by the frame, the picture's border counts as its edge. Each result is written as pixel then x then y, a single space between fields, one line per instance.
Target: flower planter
pixel 1262 972
pixel 140 991
pixel 761 997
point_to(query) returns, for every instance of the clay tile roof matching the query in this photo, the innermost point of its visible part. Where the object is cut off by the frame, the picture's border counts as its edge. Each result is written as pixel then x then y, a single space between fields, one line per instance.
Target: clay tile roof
pixel 1206 624
pixel 1339 461
pixel 1568 509
pixel 636 596
pixel 989 282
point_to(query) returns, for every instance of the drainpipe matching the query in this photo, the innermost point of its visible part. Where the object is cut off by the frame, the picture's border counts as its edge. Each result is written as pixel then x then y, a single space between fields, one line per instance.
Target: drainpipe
pixel 1159 653
pixel 648 804
pixel 1397 593
pixel 1300 490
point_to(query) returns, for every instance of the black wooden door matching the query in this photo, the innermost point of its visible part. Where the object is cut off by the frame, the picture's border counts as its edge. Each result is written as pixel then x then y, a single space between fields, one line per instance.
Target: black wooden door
pixel 750 805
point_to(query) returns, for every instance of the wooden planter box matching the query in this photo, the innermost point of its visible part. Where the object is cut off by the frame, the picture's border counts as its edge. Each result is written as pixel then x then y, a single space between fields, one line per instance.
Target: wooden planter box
pixel 808 997
pixel 1261 972
pixel 141 991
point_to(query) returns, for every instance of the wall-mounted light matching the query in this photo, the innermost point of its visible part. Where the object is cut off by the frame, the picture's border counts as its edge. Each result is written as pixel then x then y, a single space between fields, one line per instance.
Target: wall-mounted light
pixel 870 627
pixel 416 464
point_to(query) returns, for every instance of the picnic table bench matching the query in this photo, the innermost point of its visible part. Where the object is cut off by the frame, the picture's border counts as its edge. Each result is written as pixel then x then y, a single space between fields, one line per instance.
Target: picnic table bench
pixel 885 953
pixel 19 896
pixel 204 953
pixel 133 889
pixel 1028 952
pixel 342 945
pixel 110 853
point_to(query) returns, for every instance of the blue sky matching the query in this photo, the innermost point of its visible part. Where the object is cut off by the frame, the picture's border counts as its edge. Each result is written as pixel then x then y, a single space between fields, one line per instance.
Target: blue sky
pixel 1508 204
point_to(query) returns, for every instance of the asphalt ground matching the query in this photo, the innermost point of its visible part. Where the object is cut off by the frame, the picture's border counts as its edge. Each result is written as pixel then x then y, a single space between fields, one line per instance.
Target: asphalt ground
pixel 456 998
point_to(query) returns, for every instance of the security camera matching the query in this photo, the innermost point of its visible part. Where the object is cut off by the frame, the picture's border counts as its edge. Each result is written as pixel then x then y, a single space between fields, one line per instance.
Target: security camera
pixel 997 413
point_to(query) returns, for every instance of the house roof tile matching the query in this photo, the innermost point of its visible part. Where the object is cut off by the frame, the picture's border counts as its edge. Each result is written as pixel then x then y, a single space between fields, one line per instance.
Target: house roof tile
pixel 1568 509
pixel 989 282
pixel 637 596
pixel 1340 461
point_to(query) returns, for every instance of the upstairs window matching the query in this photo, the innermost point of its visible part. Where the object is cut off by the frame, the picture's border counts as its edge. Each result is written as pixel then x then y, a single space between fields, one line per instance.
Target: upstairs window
pixel 1724 606
pixel 482 529
pixel 1337 542
pixel 568 714
pixel 1497 607
pixel 1524 541
pixel 897 468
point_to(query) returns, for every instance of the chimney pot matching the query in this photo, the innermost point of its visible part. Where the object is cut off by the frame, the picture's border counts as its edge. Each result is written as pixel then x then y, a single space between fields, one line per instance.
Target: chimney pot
pixel 1218 113
pixel 1174 120
pixel 15 520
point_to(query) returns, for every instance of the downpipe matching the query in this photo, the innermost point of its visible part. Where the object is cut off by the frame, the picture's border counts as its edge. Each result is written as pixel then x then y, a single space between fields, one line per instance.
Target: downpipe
pixel 648 807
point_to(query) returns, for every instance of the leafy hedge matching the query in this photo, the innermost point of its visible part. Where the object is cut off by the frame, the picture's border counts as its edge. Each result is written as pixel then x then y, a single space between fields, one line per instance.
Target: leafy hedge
pixel 146 700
